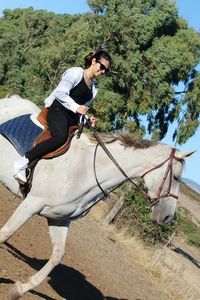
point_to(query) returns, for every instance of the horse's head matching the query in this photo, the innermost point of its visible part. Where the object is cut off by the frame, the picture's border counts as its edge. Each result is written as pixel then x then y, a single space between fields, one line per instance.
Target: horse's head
pixel 162 182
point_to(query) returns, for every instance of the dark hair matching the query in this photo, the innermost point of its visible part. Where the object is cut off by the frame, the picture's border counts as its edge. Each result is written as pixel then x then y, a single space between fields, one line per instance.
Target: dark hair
pixel 98 55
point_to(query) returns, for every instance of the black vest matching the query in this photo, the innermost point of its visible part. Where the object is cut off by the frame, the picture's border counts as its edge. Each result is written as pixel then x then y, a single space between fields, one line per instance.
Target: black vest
pixel 81 93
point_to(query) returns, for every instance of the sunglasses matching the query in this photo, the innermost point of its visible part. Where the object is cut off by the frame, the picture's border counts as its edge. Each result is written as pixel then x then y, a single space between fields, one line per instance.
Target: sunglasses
pixel 102 67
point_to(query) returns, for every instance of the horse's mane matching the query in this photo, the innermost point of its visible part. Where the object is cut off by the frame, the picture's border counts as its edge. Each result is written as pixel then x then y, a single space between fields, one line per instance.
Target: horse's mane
pixel 125 138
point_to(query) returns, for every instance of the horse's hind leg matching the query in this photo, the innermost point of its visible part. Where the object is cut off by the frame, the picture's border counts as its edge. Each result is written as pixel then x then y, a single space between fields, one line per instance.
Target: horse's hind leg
pixel 58 233
pixel 24 211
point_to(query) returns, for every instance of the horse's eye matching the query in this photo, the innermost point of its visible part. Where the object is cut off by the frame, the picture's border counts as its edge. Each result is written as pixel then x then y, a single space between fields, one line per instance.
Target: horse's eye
pixel 176 178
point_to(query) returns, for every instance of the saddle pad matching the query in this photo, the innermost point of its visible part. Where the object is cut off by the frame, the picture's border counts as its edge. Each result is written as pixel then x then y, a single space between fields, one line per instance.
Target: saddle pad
pixel 21 132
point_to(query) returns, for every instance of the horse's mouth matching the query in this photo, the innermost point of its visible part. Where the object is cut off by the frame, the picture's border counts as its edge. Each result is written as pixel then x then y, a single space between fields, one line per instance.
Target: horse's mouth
pixel 164 221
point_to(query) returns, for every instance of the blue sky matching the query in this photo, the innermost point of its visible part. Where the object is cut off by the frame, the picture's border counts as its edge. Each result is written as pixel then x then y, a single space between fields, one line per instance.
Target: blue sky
pixel 58 6
pixel 188 9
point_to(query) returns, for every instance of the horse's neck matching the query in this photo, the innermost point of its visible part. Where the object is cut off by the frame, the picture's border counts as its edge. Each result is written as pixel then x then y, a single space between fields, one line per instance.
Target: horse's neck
pixel 135 162
pixel 78 165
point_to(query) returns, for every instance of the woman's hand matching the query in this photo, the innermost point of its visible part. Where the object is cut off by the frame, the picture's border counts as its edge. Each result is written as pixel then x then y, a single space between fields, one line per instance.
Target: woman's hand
pixel 82 109
pixel 93 121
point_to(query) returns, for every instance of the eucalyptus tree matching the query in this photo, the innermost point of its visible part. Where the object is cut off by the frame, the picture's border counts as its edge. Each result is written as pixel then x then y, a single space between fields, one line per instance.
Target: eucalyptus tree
pixel 154 52
pixel 33 51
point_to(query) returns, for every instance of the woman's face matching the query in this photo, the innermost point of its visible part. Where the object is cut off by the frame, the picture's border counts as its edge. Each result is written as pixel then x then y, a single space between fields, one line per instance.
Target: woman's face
pixel 100 66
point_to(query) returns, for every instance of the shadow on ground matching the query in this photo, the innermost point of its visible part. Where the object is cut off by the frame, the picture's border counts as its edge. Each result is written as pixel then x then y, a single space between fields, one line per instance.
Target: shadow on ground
pixel 186 255
pixel 67 282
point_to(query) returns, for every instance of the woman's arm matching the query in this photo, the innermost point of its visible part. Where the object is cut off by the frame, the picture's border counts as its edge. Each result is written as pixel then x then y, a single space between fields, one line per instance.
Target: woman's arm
pixel 69 80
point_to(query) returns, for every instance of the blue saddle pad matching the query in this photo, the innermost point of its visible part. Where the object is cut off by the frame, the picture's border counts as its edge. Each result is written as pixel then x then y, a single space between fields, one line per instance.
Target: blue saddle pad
pixel 21 132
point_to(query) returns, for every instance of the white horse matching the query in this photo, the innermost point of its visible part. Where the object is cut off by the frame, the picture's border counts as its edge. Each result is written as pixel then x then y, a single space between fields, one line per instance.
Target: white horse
pixel 65 187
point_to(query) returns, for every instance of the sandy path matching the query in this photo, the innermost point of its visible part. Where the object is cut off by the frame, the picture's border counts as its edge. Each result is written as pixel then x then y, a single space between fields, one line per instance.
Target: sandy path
pixel 192 205
pixel 95 266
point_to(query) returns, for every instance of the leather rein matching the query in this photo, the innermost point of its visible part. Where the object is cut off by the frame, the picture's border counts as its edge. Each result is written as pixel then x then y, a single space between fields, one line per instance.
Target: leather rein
pixel 152 200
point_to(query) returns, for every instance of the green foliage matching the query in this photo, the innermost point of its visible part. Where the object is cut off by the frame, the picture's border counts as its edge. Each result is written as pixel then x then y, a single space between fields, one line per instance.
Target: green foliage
pixel 190 230
pixel 136 216
pixel 152 48
pixel 154 51
pixel 189 121
pixel 3 92
pixel 34 47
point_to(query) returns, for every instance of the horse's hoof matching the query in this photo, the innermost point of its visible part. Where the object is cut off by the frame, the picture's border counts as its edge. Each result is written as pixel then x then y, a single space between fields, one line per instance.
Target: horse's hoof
pixel 14 292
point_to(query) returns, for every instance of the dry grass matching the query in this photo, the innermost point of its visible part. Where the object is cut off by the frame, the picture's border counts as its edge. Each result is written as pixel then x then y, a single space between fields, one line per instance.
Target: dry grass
pixel 176 276
pixel 165 266
pixel 100 210
pixel 187 191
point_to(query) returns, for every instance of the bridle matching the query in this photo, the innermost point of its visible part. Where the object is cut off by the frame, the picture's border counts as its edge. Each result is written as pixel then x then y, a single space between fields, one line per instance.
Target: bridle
pixel 152 200
pixel 168 170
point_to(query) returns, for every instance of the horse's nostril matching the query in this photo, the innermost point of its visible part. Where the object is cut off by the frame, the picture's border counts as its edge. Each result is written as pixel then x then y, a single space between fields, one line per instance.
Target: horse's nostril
pixel 153 221
pixel 167 219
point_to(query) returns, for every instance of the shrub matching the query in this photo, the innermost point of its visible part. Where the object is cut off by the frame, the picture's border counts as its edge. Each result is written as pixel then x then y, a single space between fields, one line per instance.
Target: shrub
pixel 135 215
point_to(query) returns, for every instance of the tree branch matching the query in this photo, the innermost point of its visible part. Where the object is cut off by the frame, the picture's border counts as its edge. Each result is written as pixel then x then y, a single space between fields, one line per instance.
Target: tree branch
pixel 39 37
pixel 177 93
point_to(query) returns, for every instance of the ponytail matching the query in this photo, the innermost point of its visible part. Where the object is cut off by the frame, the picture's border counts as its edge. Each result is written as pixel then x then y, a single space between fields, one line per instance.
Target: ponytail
pixel 88 59
pixel 98 55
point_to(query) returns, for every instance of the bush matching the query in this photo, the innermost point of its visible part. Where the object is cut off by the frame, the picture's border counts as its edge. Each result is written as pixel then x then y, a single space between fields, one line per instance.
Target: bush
pixel 3 92
pixel 135 215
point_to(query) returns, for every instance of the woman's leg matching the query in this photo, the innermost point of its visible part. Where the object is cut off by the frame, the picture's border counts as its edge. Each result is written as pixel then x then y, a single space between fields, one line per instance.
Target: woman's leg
pixel 58 122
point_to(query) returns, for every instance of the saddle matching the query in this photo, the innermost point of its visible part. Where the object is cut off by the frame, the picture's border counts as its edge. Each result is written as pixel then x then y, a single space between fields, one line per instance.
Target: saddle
pixel 44 135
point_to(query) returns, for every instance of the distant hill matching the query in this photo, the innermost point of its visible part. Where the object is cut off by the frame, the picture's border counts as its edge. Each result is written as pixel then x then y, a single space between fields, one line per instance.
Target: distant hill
pixel 192 184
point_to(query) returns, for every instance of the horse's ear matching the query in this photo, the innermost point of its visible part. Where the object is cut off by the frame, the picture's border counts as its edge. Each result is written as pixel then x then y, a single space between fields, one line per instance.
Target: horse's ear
pixel 187 154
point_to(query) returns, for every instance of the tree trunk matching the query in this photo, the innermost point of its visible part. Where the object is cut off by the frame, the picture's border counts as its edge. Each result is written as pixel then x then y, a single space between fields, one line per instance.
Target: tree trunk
pixel 114 211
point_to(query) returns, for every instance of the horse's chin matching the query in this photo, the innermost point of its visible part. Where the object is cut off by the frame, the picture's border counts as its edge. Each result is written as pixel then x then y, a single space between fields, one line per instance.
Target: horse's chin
pixel 164 212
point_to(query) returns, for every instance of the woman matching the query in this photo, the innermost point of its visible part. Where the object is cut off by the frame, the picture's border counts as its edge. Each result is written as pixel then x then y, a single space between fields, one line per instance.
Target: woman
pixel 69 100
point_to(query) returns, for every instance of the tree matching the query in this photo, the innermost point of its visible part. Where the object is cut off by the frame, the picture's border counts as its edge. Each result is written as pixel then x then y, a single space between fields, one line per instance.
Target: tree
pixel 33 56
pixel 153 52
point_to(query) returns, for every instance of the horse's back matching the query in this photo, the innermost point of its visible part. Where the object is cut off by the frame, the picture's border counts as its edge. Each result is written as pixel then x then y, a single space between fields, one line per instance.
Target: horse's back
pixel 16 106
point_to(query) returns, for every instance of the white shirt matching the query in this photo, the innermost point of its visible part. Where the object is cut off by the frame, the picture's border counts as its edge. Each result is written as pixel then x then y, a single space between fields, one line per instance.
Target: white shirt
pixel 70 78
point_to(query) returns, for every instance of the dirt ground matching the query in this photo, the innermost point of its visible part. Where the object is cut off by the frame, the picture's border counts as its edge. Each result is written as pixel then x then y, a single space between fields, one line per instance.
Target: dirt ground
pixel 96 266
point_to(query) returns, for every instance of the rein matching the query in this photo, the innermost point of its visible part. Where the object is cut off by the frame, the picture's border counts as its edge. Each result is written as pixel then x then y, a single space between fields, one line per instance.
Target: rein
pixel 152 201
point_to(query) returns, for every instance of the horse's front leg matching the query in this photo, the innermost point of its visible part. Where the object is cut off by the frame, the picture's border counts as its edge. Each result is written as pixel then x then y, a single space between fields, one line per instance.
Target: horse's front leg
pixel 58 233
pixel 29 207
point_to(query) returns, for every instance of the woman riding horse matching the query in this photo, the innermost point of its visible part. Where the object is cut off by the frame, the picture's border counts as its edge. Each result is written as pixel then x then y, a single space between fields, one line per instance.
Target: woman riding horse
pixel 66 103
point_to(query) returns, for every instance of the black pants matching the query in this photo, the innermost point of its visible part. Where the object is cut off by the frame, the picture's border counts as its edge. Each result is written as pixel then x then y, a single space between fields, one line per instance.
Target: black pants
pixel 59 119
